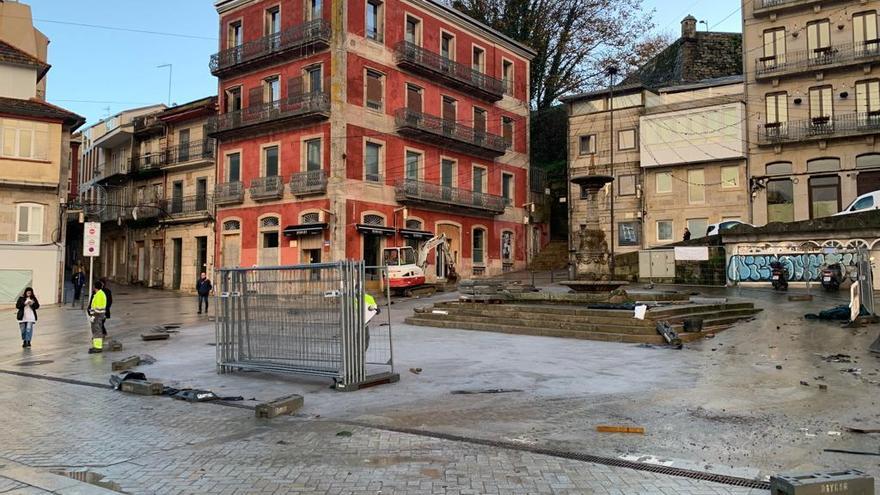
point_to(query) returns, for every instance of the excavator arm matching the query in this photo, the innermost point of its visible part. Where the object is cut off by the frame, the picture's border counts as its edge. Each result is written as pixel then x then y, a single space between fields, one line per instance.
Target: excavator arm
pixel 427 247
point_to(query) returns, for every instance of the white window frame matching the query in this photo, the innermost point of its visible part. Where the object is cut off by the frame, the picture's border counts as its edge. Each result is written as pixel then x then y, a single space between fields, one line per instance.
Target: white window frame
pixel 382 78
pixel 420 165
pixel 481 66
pixel 867 96
pixel 380 21
pixel 12 130
pixel 419 27
pixel 511 190
pixel 657 183
pixel 31 230
pixel 591 149
pixel 380 165
pixel 726 184
pixel 304 151
pixel 671 230
pixel 776 108
pixel 263 149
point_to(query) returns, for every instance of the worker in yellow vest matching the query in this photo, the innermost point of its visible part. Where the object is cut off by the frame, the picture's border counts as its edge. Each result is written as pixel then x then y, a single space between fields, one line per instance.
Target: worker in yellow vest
pixel 97 315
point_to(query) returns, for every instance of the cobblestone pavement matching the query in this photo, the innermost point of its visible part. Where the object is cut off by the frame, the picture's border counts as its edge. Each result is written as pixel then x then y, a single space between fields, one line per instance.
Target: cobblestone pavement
pixel 155 445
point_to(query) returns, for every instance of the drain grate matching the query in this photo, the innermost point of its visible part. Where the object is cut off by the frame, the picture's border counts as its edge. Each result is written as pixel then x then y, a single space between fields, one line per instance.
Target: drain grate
pixel 578 456
pixel 35 363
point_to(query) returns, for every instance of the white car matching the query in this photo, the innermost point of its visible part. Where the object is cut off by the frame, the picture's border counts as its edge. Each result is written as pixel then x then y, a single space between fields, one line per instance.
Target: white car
pixel 717 228
pixel 865 202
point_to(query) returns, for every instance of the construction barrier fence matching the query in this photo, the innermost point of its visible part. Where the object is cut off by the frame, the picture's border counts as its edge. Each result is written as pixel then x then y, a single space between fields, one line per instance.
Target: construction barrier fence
pixel 304 319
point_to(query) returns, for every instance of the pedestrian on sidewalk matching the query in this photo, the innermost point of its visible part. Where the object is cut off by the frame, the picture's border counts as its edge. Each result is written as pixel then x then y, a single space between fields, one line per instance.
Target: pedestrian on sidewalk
pixel 687 234
pixel 27 306
pixel 109 295
pixel 204 289
pixel 79 281
pixel 97 312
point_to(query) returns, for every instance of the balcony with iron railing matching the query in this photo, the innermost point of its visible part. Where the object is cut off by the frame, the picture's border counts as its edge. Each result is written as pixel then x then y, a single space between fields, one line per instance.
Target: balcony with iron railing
pixel 184 208
pixel 767 7
pixel 148 163
pixel 266 188
pixel 147 124
pixel 288 44
pixel 187 154
pixel 817 59
pixel 310 182
pixel 853 124
pixel 228 193
pixel 435 130
pixel 114 169
pixel 299 109
pixel 457 75
pixel 445 198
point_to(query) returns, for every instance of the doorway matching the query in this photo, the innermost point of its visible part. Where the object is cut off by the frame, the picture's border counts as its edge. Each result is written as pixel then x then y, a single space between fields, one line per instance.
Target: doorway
pixel 231 248
pixel 141 262
pixel 157 263
pixel 177 262
pixel 453 236
pixel 372 254
pixel 201 255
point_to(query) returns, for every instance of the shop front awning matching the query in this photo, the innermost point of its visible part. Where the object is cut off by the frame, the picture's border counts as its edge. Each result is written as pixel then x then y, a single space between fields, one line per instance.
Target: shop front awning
pixel 305 229
pixel 421 235
pixel 375 229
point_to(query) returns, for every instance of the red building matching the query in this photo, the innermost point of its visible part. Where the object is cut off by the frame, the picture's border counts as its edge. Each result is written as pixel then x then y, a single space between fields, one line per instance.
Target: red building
pixel 350 126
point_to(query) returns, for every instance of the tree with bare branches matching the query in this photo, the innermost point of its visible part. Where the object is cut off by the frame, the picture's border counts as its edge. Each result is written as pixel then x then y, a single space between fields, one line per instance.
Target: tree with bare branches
pixel 574 39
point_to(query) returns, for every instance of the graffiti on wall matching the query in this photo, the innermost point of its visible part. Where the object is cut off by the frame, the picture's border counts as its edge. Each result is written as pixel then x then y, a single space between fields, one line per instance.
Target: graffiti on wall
pixel 799 267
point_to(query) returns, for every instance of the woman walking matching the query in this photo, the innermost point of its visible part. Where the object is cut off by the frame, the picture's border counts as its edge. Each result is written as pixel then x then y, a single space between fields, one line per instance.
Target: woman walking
pixel 27 307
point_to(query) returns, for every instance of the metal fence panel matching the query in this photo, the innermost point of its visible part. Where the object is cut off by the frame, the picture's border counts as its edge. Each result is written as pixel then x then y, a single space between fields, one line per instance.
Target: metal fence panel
pixel 306 319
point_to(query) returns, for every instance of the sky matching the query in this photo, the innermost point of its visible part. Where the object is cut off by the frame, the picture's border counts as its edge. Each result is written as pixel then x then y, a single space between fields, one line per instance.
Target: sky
pixel 97 72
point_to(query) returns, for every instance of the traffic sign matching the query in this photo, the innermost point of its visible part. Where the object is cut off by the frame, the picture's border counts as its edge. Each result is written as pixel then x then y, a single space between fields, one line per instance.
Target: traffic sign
pixel 92 239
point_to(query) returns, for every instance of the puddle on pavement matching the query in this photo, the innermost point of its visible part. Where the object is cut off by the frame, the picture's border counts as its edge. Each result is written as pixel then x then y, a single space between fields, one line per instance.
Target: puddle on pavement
pixel 35 363
pixel 91 478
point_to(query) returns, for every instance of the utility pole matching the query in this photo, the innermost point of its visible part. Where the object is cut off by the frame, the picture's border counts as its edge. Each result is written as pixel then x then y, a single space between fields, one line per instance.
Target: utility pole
pixel 611 71
pixel 170 69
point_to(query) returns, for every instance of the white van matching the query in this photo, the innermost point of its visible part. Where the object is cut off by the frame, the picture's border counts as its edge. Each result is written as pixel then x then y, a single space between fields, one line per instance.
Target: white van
pixel 865 202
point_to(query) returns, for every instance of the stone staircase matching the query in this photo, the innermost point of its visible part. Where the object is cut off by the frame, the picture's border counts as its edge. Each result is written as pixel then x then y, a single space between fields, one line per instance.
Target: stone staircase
pixel 571 321
pixel 554 256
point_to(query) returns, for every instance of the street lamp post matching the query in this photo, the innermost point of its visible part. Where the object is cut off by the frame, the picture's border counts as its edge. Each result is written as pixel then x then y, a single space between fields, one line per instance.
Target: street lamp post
pixel 611 71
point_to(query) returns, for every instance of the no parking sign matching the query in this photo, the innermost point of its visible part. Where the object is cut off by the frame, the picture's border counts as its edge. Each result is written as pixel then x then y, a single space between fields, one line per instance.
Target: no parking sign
pixel 92 239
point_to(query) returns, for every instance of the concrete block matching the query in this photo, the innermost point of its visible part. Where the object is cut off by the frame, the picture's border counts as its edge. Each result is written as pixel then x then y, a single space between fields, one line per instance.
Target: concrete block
pixel 125 364
pixel 282 406
pixel 155 336
pixel 142 387
pixel 113 346
pixel 848 482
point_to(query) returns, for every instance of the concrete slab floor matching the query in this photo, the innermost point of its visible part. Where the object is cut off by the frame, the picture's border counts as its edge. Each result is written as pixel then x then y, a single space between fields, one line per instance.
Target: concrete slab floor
pixel 720 405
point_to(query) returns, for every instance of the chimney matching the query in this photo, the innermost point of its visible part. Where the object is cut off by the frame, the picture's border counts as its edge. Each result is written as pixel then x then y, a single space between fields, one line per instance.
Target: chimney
pixel 689 27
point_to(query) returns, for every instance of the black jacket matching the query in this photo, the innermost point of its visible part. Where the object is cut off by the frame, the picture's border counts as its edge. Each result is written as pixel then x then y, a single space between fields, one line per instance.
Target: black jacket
pixel 203 287
pixel 20 307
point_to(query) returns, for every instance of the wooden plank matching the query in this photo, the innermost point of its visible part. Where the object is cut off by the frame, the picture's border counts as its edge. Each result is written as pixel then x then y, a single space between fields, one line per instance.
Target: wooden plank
pixel 621 429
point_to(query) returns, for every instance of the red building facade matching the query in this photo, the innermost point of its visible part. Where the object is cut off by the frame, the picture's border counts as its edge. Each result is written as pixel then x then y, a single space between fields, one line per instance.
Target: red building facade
pixel 351 126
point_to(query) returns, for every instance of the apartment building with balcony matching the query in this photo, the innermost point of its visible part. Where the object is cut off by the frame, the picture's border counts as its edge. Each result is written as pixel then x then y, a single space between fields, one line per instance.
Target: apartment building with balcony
pixel 668 95
pixel 350 126
pixel 34 163
pixel 157 206
pixel 813 105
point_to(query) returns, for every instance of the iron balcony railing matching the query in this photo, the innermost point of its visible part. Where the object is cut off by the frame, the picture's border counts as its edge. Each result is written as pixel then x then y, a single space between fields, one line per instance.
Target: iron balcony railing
pixel 853 124
pixel 449 130
pixel 818 58
pixel 409 190
pixel 185 206
pixel 228 193
pixel 271 187
pixel 423 60
pixel 143 123
pixel 774 4
pixel 295 106
pixel 188 152
pixel 301 36
pixel 310 182
pixel 149 162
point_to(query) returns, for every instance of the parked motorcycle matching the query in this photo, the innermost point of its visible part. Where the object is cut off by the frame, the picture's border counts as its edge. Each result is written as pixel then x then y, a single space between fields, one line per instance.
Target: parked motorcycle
pixel 832 276
pixel 778 276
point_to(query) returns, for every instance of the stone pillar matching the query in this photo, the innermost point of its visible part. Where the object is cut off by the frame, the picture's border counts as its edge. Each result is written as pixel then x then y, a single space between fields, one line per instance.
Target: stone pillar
pixel 338 97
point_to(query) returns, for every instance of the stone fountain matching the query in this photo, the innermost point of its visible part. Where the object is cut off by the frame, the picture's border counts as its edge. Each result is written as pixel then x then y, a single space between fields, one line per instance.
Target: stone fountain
pixel 592 256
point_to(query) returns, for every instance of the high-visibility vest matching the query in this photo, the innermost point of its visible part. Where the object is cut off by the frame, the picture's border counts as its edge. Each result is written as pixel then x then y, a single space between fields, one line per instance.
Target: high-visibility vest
pixel 99 302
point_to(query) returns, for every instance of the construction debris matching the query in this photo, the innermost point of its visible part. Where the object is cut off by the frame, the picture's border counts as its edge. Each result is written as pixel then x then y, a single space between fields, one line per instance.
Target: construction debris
pixel 621 429
pixel 155 336
pixel 141 387
pixel 415 371
pixel 486 391
pixel 669 334
pixel 837 358
pixel 848 481
pixel 858 429
pixel 125 364
pixel 284 405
